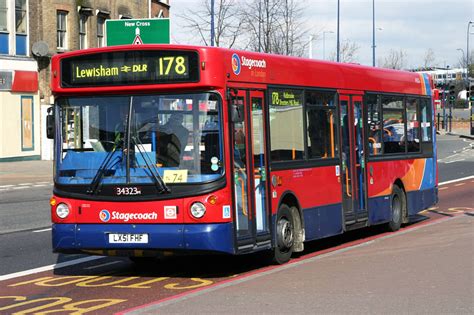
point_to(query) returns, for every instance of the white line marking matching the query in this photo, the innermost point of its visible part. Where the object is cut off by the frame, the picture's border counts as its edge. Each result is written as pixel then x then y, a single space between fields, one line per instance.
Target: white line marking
pixel 50 267
pixel 42 185
pixel 5 186
pixel 43 230
pixel 102 265
pixel 454 161
pixel 21 187
pixel 25 184
pixel 456 180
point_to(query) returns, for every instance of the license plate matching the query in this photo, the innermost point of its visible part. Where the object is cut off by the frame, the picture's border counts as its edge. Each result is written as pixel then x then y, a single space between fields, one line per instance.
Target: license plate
pixel 122 238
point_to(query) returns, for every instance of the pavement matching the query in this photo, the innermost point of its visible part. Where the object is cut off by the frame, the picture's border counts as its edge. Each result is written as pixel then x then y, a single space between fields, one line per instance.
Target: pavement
pixel 12 173
pixel 424 270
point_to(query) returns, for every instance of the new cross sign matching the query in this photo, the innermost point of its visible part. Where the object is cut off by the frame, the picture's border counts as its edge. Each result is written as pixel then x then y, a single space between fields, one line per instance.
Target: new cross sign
pixel 143 31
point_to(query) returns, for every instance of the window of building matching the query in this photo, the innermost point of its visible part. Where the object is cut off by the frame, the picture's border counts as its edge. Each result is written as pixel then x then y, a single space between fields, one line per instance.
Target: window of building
pixel 3 16
pixel 393 124
pixel 21 27
pixel 61 27
pixel 374 123
pixel 100 30
pixel 321 118
pixel 4 47
pixel 413 125
pixel 83 31
pixel 286 125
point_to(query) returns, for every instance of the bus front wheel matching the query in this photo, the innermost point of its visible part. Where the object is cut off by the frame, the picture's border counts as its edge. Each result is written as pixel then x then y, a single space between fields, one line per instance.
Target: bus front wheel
pixel 285 235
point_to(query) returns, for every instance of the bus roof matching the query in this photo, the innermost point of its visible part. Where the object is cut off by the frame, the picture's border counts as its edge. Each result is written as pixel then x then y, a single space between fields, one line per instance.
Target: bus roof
pixel 217 67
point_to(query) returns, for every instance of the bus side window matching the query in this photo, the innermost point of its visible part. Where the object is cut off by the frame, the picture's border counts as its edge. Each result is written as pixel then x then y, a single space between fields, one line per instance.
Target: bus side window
pixel 374 138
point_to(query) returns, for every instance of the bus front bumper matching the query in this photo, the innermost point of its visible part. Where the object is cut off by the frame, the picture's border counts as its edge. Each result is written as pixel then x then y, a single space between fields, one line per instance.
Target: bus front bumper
pixel 216 237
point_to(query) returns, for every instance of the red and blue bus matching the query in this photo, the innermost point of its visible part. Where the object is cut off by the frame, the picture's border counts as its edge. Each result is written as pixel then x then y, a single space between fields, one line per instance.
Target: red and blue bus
pixel 168 148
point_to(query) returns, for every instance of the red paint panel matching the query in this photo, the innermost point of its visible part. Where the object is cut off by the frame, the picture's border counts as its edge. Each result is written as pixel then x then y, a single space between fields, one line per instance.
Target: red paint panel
pixel 410 172
pixel 151 212
pixel 25 81
pixel 312 186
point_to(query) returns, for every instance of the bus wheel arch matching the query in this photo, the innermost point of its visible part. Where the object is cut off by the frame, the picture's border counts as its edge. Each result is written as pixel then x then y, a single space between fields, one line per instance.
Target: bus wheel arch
pixel 397 207
pixel 290 201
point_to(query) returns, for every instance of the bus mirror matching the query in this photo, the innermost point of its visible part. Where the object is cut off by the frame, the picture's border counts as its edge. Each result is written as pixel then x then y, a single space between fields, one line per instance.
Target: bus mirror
pixel 50 126
pixel 237 113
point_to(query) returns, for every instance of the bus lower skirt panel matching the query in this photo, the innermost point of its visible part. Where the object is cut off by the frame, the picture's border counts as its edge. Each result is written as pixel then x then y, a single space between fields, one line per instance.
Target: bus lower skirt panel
pixel 217 237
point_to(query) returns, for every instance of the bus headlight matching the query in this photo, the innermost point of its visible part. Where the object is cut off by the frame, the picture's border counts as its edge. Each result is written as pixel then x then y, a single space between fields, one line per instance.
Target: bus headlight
pixel 198 210
pixel 62 210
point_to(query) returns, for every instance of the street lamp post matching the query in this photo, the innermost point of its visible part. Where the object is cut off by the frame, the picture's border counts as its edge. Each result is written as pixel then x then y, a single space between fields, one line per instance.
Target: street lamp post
pixel 324 42
pixel 471 119
pixel 373 33
pixel 212 23
pixel 338 44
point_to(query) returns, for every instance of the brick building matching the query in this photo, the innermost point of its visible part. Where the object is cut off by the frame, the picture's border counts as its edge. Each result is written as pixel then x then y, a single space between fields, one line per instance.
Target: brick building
pixel 31 31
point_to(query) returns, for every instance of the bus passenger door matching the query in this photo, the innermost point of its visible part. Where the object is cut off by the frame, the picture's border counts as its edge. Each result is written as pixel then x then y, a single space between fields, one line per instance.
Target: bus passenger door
pixel 353 177
pixel 251 210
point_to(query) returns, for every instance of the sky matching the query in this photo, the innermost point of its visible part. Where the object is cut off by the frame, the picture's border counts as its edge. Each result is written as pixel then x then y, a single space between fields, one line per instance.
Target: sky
pixel 413 26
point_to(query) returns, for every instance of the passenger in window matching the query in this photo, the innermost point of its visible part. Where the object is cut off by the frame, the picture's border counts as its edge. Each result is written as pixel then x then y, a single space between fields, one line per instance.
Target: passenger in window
pixel 174 125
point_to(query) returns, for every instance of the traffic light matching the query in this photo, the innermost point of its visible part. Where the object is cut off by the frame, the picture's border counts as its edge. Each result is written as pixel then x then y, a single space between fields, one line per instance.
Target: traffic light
pixel 470 94
pixel 452 96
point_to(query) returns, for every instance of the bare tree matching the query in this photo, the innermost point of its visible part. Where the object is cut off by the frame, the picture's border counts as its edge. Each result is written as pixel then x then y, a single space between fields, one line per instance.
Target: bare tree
pixel 347 52
pixel 275 26
pixel 395 60
pixel 226 27
pixel 428 59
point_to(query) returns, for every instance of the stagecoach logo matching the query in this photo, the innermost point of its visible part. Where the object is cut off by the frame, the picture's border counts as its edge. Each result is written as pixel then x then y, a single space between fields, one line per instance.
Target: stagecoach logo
pixel 236 67
pixel 104 215
pixel 239 62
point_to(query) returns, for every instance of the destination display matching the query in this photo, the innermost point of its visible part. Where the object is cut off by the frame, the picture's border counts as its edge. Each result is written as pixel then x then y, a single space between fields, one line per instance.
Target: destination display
pixel 130 68
pixel 286 97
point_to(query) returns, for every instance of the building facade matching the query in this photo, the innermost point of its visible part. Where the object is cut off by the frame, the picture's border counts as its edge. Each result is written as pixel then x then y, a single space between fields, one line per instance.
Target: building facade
pixel 19 101
pixel 31 32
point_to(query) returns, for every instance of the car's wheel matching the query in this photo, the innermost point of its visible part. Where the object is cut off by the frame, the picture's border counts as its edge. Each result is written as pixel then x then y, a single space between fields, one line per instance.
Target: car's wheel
pixel 397 207
pixel 285 235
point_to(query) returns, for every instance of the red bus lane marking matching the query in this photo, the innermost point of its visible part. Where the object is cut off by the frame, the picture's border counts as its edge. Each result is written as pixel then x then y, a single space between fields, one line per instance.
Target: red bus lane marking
pixel 66 293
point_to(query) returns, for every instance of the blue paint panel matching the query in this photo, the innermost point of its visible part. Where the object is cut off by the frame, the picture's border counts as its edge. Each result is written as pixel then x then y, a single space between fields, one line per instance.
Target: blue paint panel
pixel 379 210
pixel 211 237
pixel 21 45
pixel 429 175
pixel 4 43
pixel 214 237
pixel 325 221
pixel 421 200
pixel 427 84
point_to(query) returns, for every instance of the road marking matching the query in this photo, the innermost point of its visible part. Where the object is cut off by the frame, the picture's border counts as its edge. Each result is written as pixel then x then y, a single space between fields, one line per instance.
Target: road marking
pixel 5 186
pixel 456 180
pixel 43 183
pixel 459 184
pixel 454 161
pixel 40 185
pixel 102 265
pixel 43 230
pixel 50 267
pixel 21 187
pixel 25 184
pixel 443 188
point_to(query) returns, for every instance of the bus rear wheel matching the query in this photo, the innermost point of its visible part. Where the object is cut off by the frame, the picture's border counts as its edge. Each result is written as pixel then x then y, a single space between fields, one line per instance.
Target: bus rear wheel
pixel 285 235
pixel 397 207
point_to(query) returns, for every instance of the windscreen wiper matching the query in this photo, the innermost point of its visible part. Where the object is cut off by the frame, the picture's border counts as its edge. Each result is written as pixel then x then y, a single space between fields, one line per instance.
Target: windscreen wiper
pixel 159 183
pixel 92 189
